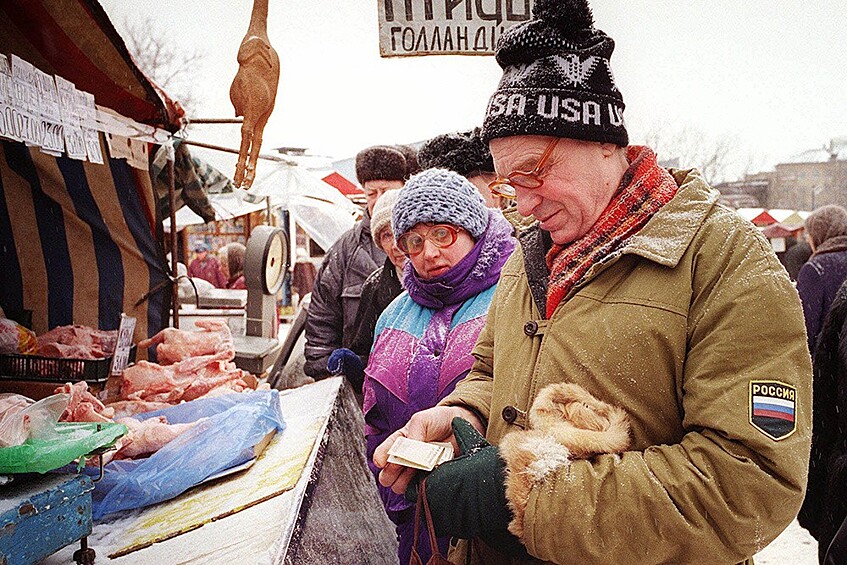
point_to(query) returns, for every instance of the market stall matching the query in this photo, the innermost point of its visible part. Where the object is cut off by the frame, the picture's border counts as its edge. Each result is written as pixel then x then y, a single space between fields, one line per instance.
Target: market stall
pixel 184 454
pixel 307 499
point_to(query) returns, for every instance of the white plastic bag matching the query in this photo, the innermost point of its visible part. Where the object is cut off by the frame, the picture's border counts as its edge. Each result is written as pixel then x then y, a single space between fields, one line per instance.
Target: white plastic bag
pixel 22 418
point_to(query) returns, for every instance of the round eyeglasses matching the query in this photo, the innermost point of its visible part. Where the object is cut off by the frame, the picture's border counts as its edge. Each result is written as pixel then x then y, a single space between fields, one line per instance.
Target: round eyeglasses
pixel 505 187
pixel 441 235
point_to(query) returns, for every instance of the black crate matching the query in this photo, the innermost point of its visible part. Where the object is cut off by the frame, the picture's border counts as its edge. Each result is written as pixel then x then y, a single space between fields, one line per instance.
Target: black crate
pixel 56 369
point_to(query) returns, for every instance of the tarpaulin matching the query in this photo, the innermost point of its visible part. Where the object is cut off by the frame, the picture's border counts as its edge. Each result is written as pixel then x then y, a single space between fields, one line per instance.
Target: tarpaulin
pixel 76 40
pixel 77 242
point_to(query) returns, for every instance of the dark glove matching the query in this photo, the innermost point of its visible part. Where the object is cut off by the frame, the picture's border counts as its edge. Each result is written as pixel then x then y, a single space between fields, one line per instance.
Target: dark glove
pixel 342 361
pixel 467 496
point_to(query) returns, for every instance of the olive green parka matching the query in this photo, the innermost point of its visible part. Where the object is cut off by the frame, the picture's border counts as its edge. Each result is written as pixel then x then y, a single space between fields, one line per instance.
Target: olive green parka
pixel 676 328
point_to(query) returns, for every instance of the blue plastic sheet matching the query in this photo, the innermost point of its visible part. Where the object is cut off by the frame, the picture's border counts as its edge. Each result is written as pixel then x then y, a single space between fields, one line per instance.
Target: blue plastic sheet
pixel 233 424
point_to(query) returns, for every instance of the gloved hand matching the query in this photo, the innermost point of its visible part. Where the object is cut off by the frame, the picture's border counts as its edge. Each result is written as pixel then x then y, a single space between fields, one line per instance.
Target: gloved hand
pixel 467 496
pixel 342 361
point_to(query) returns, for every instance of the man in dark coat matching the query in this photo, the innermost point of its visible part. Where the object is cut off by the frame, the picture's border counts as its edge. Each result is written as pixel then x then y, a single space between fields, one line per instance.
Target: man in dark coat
pixel 338 285
pixel 380 288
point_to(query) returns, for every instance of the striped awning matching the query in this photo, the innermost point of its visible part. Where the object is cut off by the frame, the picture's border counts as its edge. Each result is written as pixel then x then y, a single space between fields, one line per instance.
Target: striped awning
pixel 77 242
pixel 76 40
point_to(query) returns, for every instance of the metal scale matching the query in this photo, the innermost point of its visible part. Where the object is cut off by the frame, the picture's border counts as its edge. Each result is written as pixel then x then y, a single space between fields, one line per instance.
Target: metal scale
pixel 266 262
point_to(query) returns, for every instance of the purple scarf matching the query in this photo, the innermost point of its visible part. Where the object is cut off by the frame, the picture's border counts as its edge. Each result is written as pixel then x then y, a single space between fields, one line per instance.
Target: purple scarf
pixel 477 270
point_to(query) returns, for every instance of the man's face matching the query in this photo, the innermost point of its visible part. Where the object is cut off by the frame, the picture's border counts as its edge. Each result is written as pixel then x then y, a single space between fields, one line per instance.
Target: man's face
pixel 376 188
pixel 579 181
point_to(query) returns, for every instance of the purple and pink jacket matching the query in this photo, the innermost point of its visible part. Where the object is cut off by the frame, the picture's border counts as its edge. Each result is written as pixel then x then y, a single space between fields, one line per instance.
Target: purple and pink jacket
pixel 422 348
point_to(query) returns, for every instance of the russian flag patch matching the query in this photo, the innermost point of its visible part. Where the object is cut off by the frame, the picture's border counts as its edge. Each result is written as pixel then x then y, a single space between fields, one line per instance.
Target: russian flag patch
pixel 772 407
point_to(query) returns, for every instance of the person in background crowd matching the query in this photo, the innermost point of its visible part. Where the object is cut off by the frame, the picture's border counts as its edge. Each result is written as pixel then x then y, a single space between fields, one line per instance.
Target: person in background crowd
pixel 824 511
pixel 465 153
pixel 303 275
pixel 638 287
pixel 422 346
pixel 822 275
pixel 380 288
pixel 235 265
pixel 796 256
pixel 224 261
pixel 338 284
pixel 206 267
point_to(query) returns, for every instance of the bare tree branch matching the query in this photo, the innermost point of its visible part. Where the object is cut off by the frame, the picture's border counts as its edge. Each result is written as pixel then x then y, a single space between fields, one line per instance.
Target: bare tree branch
pixel 717 157
pixel 174 70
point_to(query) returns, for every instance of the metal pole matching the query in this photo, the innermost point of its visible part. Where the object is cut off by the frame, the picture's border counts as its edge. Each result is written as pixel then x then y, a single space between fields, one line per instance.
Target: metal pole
pixel 215 121
pixel 172 202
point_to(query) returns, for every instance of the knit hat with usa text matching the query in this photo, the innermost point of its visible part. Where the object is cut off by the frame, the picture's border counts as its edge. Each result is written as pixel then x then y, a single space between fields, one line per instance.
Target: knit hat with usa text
pixel 557 79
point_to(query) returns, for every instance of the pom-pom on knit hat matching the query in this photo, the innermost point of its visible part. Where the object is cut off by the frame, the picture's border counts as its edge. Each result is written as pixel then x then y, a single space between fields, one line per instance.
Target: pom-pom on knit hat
pixel 439 196
pixel 385 162
pixel 462 151
pixel 381 216
pixel 557 79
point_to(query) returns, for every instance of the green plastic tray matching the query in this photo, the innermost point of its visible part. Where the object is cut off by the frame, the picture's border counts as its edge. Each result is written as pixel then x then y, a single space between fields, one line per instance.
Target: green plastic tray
pixel 75 440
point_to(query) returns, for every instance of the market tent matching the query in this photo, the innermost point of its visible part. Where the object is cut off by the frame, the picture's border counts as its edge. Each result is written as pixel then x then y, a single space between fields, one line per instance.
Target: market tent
pixel 77 239
pixel 343 185
pixel 321 210
pixel 75 39
pixel 76 242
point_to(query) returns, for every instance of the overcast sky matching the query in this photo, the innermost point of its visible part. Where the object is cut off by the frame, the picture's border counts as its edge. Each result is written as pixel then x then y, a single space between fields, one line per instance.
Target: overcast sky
pixel 770 73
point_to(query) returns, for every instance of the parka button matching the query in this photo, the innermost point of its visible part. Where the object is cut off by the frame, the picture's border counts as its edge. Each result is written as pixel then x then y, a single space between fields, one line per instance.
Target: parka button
pixel 530 328
pixel 510 414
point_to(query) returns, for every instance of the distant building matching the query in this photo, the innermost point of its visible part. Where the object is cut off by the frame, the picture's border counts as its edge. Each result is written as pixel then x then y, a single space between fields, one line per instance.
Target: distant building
pixel 750 192
pixel 811 179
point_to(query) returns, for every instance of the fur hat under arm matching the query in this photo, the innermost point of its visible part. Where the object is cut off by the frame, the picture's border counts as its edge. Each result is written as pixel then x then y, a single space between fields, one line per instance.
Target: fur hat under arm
pixel 565 423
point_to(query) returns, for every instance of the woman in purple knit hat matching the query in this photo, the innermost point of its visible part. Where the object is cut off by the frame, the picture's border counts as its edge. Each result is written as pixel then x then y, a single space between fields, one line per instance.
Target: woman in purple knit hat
pixel 423 341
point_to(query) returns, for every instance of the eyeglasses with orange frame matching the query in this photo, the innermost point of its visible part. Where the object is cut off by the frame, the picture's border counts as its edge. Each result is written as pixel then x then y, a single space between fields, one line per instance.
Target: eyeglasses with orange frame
pixel 442 235
pixel 505 187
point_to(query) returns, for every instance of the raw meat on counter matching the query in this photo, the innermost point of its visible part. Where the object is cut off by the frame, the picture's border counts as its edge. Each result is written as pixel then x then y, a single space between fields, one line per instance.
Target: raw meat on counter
pixel 77 342
pixel 142 439
pixel 82 405
pixel 175 345
pixel 148 436
pixel 126 408
pixel 191 365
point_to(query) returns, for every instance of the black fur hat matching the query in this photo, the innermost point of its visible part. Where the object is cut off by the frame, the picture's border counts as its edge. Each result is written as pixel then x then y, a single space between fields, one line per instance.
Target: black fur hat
pixel 557 78
pixel 385 162
pixel 463 152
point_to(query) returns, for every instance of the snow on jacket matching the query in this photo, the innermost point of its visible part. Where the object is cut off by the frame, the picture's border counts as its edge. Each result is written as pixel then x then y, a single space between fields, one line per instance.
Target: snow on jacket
pixel 336 294
pixel 420 352
pixel 818 282
pixel 676 328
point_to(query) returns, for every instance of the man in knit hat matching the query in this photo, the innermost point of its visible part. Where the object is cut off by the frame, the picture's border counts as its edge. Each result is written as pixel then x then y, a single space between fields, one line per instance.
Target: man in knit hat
pixel 338 285
pixel 662 305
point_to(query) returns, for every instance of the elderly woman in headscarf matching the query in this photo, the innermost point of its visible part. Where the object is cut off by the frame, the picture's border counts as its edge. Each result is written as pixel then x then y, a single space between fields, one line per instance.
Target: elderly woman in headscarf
pixel 821 277
pixel 423 340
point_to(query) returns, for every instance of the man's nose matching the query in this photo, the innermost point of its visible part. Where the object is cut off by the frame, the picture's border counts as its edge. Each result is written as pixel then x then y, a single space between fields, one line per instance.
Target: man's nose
pixel 527 200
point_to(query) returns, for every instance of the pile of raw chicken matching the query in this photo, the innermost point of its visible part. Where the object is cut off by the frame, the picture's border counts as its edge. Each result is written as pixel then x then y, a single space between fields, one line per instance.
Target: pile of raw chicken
pixel 192 365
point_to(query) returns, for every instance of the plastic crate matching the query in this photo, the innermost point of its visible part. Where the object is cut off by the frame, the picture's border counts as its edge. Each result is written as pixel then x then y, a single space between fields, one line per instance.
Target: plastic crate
pixel 56 369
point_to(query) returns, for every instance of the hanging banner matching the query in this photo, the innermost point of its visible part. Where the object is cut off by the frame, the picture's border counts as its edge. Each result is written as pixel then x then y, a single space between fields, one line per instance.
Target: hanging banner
pixel 412 28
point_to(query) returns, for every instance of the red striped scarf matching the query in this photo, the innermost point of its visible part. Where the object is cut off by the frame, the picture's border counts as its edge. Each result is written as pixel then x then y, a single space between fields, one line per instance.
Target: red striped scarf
pixel 645 188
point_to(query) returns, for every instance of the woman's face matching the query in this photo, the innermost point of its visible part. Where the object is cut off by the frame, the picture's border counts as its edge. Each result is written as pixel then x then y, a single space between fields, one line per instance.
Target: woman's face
pixel 434 261
pixel 386 241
